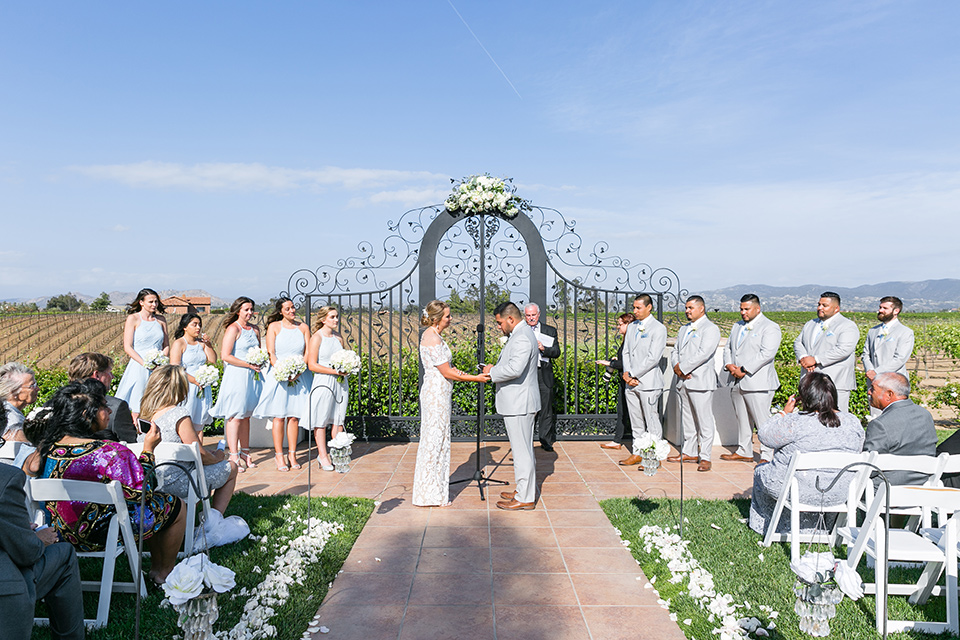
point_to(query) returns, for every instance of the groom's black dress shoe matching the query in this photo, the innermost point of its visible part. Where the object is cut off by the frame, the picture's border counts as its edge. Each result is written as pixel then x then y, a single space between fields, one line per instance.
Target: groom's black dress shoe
pixel 546 446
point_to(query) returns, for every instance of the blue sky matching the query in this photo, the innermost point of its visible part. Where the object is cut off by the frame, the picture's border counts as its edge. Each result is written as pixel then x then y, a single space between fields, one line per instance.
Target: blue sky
pixel 224 145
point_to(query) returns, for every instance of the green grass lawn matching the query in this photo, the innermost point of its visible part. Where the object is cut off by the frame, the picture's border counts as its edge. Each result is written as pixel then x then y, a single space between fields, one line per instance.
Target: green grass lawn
pixel 270 516
pixel 732 555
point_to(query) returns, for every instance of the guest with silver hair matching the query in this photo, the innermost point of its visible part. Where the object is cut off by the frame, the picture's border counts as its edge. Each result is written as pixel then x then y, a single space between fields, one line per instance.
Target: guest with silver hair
pixel 18 388
pixel 546 420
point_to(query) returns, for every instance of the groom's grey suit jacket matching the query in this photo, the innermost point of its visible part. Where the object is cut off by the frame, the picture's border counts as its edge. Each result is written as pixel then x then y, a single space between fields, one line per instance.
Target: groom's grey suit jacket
pixel 891 353
pixel 643 346
pixel 518 390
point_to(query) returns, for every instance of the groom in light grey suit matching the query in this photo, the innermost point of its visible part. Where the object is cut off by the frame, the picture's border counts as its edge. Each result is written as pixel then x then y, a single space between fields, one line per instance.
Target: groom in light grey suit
pixel 889 344
pixel 748 360
pixel 518 401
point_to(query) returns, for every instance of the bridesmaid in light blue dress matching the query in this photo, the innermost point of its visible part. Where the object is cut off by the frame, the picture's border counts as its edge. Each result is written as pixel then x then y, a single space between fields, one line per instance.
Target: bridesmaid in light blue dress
pixel 286 337
pixel 191 349
pixel 239 391
pixel 329 401
pixel 144 329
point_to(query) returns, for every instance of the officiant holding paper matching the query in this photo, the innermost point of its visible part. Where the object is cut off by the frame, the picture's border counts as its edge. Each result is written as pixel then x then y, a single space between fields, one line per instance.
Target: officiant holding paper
pixel 546 335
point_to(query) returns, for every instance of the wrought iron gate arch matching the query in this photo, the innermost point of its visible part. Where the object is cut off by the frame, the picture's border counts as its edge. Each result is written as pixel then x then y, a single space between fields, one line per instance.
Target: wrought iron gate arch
pixel 380 319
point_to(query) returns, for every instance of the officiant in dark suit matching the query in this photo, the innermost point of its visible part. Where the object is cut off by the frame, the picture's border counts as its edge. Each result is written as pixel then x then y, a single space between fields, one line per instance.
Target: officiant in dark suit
pixel 546 421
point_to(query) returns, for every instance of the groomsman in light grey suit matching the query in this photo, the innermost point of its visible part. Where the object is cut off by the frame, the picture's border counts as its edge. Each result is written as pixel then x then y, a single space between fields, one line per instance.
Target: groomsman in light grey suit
pixel 692 360
pixel 827 344
pixel 748 360
pixel 518 401
pixel 888 345
pixel 642 349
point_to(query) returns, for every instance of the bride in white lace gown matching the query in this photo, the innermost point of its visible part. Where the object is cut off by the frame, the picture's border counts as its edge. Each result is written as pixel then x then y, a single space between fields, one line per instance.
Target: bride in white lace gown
pixel 431 479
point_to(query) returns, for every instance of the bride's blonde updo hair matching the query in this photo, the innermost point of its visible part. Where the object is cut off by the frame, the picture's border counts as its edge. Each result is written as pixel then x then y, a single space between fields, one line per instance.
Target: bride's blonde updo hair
pixel 432 313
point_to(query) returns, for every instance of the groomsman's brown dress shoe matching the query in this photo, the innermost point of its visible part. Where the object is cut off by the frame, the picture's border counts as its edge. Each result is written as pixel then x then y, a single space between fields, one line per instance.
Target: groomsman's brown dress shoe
pixel 508 495
pixel 705 465
pixel 610 445
pixel 736 456
pixel 764 462
pixel 629 462
pixel 683 458
pixel 514 505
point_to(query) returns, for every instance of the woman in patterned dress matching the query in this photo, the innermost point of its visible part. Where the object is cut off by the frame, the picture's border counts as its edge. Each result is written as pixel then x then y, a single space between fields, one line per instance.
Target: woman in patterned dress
pixel 431 478
pixel 66 449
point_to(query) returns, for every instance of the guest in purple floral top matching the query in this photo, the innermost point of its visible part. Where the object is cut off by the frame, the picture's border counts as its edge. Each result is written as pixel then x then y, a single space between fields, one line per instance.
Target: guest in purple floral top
pixel 65 449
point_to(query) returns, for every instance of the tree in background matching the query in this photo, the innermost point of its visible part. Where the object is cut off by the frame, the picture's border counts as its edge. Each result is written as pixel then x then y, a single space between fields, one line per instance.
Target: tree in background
pixel 101 303
pixel 64 302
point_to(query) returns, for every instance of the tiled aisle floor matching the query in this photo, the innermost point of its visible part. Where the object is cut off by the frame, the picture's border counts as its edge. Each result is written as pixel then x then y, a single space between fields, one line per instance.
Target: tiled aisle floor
pixel 472 571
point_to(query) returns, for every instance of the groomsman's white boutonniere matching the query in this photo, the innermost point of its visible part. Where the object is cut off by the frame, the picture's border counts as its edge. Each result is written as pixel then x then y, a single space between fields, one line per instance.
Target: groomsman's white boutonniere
pixel 503 340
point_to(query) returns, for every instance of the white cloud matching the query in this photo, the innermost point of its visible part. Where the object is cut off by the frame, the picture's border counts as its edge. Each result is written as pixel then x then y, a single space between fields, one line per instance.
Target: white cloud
pixel 223 176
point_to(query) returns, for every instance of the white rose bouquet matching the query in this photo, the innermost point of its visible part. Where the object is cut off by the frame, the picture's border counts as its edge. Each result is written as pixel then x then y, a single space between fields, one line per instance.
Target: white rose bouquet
pixel 206 375
pixel 484 194
pixel 288 369
pixel 195 575
pixel 346 363
pixel 341 440
pixel 259 357
pixel 653 447
pixel 153 359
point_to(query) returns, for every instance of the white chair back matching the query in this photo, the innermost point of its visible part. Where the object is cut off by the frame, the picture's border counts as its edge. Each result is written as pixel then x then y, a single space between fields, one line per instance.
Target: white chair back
pixel 179 452
pixel 907 546
pixel 790 497
pixel 9 451
pixel 120 538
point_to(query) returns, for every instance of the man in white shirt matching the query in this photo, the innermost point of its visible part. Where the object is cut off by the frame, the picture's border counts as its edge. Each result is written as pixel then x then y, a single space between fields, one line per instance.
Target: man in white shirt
pixel 692 360
pixel 889 344
pixel 827 344
pixel 748 360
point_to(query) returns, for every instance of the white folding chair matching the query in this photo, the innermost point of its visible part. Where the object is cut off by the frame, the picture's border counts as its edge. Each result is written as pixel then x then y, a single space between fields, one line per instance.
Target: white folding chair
pixel 790 497
pixel 179 452
pixel 9 451
pixel 119 535
pixel 907 546
pixel 931 466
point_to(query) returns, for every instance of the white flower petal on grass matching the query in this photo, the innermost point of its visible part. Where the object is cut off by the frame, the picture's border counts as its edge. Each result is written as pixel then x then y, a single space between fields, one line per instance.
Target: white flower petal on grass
pixel 714 526
pixel 688 621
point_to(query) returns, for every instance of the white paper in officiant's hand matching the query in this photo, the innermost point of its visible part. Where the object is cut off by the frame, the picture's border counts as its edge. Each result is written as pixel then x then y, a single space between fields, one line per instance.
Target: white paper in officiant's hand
pixel 546 341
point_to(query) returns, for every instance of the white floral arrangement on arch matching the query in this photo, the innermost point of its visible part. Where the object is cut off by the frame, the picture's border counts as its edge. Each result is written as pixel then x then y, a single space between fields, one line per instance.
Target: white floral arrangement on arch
pixel 653 447
pixel 194 576
pixel 257 356
pixel 346 363
pixel 288 369
pixel 485 194
pixel 206 375
pixel 153 359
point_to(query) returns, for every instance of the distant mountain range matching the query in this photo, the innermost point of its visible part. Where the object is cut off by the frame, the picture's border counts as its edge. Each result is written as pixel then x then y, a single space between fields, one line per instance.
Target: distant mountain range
pixel 927 295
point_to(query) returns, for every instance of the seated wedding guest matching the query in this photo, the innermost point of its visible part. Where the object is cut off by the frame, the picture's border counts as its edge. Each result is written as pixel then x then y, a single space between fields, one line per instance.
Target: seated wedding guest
pixel 100 367
pixel 18 388
pixel 819 426
pixel 161 404
pixel 34 566
pixel 63 435
pixel 952 446
pixel 616 368
pixel 902 427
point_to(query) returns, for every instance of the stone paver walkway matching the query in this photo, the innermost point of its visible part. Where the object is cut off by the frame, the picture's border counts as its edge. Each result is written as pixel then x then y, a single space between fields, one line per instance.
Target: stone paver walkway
pixel 472 571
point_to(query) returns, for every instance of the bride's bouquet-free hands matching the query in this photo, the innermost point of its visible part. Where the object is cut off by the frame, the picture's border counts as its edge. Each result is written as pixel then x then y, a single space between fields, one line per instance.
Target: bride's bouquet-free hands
pixel 288 369
pixel 206 376
pixel 153 359
pixel 257 356
pixel 346 363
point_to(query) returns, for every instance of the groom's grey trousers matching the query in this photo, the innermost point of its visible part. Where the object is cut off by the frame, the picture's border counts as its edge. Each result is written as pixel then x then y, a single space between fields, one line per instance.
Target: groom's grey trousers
pixel 520 432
